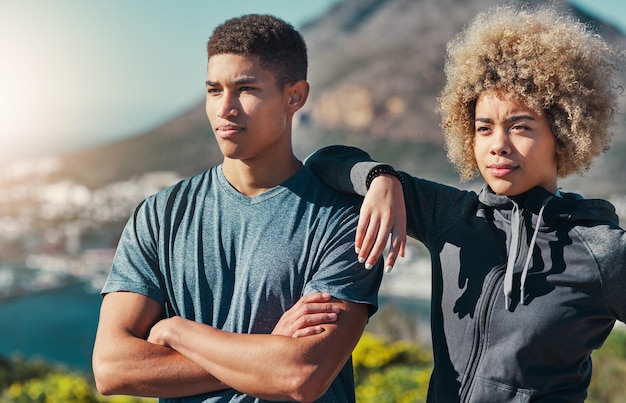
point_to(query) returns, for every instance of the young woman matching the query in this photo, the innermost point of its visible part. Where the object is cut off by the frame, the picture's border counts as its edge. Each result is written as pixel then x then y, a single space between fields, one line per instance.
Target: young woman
pixel 527 279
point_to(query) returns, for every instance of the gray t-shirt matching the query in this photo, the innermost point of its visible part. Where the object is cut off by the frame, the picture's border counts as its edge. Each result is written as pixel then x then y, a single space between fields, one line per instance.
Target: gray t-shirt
pixel 216 256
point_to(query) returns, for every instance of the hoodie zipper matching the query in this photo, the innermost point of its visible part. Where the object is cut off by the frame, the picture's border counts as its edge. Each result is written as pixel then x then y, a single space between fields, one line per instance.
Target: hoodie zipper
pixel 493 283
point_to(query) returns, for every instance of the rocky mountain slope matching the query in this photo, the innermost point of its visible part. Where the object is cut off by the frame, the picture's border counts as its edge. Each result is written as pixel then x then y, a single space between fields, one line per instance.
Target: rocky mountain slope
pixel 376 68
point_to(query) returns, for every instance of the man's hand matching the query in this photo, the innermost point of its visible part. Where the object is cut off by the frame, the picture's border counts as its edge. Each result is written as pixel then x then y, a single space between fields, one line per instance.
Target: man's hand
pixel 160 332
pixel 382 219
pixel 306 316
pixel 303 319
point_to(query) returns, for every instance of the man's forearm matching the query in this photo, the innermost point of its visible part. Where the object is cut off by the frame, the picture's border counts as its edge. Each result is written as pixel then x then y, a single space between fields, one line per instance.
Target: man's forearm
pixel 267 366
pixel 136 367
pixel 253 366
pixel 125 363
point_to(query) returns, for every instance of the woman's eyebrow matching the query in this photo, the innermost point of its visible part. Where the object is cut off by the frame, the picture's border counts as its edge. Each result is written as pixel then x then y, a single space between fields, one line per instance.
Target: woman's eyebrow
pixel 517 118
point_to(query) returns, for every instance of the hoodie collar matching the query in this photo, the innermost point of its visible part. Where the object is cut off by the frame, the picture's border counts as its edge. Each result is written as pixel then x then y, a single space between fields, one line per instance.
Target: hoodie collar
pixel 544 205
pixel 566 207
pixel 531 200
pixel 535 200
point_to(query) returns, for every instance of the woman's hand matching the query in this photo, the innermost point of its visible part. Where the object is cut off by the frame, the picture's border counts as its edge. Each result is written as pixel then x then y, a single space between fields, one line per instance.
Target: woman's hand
pixel 382 219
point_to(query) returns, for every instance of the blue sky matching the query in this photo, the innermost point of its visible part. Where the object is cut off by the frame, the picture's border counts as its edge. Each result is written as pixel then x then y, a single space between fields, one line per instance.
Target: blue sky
pixel 78 72
pixel 75 72
pixel 612 11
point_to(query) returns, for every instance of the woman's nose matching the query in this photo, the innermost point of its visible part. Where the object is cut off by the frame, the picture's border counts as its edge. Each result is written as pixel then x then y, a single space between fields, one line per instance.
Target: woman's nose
pixel 500 144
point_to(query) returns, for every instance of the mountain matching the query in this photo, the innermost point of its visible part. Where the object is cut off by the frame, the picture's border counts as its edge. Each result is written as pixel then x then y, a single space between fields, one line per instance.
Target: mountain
pixel 376 68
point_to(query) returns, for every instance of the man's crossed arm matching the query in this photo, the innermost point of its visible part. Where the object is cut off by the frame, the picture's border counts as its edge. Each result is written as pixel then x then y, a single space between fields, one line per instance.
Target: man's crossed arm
pixel 138 353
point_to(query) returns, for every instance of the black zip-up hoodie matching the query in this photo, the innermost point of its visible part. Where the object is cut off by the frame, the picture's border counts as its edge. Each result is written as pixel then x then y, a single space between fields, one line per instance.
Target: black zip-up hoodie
pixel 523 288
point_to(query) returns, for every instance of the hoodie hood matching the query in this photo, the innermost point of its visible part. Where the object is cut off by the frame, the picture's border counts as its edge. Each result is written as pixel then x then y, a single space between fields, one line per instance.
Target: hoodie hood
pixel 564 207
pixel 547 207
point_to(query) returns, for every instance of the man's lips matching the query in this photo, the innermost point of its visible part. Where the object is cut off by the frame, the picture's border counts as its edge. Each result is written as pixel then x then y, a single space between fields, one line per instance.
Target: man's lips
pixel 500 170
pixel 226 131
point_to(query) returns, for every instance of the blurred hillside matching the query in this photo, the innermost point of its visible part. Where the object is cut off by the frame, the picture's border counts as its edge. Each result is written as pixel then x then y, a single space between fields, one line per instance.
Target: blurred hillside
pixel 376 68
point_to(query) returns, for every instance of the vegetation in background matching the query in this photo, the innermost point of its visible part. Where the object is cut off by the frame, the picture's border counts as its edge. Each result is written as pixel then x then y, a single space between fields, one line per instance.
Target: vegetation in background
pixel 390 367
pixel 609 370
pixel 37 381
pixel 390 372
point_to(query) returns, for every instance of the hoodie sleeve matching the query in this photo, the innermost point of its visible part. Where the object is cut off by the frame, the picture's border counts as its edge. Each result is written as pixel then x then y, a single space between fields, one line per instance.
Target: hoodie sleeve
pixel 611 254
pixel 431 207
pixel 343 168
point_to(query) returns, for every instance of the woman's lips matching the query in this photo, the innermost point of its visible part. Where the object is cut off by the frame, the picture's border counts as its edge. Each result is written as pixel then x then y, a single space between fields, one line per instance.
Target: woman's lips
pixel 500 170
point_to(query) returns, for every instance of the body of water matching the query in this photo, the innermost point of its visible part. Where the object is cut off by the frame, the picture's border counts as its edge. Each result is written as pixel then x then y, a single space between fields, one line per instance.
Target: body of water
pixel 57 325
pixel 60 325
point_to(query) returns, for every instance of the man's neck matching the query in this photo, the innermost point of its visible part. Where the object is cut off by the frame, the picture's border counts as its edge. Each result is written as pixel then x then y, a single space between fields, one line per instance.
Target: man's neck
pixel 252 178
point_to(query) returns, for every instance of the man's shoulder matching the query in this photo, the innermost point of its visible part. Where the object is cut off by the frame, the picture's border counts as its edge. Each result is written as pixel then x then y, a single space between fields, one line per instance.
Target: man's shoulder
pixel 185 185
pixel 180 193
pixel 323 194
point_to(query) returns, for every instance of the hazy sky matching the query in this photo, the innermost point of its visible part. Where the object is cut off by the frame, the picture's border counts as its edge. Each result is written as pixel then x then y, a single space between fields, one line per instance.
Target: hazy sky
pixel 75 72
pixel 72 71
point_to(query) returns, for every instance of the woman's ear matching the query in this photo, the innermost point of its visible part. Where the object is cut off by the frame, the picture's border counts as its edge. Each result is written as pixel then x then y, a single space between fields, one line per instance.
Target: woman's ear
pixel 298 94
pixel 560 152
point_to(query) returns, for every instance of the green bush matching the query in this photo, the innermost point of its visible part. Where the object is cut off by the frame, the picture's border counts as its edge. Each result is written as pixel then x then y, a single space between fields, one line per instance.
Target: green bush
pixel 52 388
pixel 19 369
pixel 36 381
pixel 390 372
pixel 396 384
pixel 609 370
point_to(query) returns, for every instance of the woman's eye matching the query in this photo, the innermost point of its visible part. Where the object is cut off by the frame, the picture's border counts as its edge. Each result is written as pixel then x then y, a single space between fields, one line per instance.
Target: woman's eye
pixel 520 127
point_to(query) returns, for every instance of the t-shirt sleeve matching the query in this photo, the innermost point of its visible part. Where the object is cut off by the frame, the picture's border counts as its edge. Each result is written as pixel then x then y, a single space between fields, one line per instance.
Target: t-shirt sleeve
pixel 340 273
pixel 136 265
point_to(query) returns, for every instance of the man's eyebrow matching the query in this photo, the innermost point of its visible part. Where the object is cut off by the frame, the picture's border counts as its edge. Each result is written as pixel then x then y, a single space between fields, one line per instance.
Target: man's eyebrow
pixel 238 81
pixel 245 80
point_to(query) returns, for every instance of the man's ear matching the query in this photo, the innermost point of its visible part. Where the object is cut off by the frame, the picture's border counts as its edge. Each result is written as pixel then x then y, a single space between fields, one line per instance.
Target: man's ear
pixel 298 94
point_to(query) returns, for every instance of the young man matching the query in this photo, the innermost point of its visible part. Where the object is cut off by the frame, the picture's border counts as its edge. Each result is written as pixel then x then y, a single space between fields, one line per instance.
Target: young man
pixel 224 254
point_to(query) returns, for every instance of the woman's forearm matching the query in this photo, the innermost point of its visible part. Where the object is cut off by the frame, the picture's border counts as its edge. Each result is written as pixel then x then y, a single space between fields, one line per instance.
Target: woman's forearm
pixel 343 168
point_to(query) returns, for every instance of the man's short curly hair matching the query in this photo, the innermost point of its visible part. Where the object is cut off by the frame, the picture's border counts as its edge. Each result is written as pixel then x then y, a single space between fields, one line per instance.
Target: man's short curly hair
pixel 279 46
pixel 550 62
